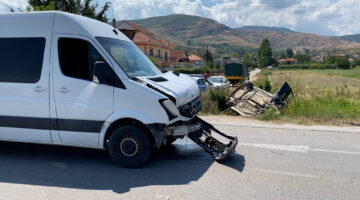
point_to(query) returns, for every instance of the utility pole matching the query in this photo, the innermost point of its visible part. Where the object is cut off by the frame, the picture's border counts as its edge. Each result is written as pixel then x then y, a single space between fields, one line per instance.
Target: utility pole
pixel 78 7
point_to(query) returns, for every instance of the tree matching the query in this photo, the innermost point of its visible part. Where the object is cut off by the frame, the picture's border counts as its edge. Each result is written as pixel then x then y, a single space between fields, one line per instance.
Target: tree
pixel 355 63
pixel 302 58
pixel 330 59
pixel 86 8
pixel 342 63
pixel 249 60
pixel 289 53
pixel 264 54
pixel 208 56
pixel 283 55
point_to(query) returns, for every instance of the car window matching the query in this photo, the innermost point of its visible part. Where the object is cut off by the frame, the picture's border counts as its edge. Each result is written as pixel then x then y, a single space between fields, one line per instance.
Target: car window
pixel 21 59
pixel 201 82
pixel 77 58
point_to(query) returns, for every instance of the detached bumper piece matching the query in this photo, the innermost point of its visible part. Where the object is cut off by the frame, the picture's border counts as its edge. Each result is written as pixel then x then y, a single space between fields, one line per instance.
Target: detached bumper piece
pixel 219 145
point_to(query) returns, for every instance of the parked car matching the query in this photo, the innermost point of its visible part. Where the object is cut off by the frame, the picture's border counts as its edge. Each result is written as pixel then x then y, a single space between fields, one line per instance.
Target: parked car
pixel 202 83
pixel 219 82
pixel 70 80
pixel 197 75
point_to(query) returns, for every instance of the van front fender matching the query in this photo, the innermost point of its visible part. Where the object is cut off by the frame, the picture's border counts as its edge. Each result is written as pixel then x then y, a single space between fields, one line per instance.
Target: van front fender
pixel 128 114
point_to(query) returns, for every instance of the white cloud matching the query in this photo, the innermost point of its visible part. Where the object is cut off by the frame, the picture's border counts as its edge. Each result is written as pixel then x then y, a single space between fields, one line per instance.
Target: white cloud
pixel 325 17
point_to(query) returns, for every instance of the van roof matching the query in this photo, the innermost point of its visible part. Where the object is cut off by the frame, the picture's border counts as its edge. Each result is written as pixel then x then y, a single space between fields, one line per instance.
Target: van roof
pixel 35 23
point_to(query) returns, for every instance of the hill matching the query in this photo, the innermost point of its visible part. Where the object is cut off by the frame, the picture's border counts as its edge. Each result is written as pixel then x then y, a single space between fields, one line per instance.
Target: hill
pixel 196 32
pixel 266 29
pixel 351 38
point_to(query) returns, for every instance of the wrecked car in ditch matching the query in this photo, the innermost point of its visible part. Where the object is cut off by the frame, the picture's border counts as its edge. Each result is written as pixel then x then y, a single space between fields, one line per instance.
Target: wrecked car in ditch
pixel 249 101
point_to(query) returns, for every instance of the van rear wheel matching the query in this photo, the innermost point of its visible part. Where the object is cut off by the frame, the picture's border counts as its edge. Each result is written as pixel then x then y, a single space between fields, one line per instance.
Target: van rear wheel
pixel 129 147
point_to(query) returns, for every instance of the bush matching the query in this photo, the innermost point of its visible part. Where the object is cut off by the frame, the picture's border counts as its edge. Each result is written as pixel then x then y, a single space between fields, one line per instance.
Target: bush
pixel 309 66
pixel 342 63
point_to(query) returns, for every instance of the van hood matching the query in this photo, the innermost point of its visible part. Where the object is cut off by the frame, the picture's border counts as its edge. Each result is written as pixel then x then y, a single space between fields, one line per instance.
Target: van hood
pixel 183 88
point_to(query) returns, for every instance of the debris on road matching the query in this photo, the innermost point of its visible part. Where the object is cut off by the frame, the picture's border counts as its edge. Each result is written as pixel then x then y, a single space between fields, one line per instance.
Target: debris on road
pixel 249 101
pixel 219 145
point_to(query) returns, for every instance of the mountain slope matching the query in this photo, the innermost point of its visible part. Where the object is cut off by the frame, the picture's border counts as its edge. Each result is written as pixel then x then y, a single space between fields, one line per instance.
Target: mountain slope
pixel 194 31
pixel 266 29
pixel 182 26
pixel 350 38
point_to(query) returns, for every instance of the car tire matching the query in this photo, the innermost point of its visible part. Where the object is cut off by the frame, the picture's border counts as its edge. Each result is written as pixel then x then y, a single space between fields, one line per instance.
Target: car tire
pixel 129 147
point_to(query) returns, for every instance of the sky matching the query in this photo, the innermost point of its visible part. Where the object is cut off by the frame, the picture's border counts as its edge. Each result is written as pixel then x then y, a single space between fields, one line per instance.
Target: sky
pixel 323 17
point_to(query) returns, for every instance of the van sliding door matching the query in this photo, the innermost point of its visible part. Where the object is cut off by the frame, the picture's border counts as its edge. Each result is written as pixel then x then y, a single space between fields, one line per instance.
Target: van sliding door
pixel 24 89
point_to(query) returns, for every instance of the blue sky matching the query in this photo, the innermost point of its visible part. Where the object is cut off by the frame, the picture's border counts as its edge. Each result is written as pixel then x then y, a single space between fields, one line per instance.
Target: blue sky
pixel 324 17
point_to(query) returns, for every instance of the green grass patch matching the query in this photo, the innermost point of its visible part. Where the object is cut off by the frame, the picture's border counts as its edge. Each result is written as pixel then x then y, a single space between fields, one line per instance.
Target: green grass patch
pixel 323 108
pixel 352 73
pixel 214 102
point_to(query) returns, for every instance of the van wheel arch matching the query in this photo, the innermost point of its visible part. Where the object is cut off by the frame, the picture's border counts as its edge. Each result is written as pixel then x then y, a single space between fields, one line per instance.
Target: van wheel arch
pixel 128 122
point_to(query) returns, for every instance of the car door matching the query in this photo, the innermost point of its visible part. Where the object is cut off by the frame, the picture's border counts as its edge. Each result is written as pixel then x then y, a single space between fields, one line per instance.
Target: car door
pixel 24 89
pixel 81 104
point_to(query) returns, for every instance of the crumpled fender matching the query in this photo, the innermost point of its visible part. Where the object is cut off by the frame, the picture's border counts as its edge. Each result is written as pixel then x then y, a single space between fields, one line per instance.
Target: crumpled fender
pixel 133 114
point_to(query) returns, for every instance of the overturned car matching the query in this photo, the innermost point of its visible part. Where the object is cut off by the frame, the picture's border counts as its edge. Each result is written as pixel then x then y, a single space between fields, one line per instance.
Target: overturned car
pixel 248 100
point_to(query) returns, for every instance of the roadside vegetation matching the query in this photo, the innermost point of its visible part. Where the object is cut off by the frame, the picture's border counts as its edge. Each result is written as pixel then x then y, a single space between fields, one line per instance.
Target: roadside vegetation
pixel 321 96
pixel 214 102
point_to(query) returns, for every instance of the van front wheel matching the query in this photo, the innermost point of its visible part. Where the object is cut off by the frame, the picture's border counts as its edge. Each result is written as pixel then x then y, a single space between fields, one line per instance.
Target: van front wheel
pixel 129 147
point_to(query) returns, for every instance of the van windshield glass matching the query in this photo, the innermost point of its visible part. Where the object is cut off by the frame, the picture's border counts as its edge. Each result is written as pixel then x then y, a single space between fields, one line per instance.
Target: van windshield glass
pixel 129 57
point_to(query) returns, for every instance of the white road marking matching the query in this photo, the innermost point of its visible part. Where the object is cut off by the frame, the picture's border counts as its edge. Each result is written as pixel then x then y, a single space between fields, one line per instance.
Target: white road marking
pixel 282 147
pixel 295 148
pixel 335 151
pixel 357 146
pixel 287 173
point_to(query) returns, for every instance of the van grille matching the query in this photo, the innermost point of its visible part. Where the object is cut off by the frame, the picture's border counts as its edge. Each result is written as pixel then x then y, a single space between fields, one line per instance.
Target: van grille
pixel 191 109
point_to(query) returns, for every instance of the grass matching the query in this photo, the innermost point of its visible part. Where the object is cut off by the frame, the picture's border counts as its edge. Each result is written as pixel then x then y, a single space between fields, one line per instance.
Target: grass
pixel 354 73
pixel 321 96
pixel 214 102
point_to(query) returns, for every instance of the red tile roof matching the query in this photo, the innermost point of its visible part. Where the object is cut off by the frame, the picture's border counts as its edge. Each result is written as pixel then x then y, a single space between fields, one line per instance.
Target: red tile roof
pixel 144 36
pixel 195 58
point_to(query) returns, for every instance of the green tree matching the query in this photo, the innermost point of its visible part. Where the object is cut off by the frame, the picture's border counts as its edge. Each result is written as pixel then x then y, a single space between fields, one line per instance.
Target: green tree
pixel 355 63
pixel 208 56
pixel 289 53
pixel 283 55
pixel 249 60
pixel 342 63
pixel 302 58
pixel 86 7
pixel 264 54
pixel 330 59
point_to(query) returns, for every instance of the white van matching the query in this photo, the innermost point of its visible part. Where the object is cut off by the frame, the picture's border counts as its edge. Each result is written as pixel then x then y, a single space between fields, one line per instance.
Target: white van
pixel 70 80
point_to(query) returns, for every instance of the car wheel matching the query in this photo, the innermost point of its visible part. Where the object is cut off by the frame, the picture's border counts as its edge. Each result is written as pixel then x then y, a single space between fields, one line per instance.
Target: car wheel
pixel 129 147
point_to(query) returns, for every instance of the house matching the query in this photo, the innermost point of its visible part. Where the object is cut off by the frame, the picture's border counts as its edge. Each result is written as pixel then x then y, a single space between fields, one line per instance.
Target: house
pixel 179 59
pixel 148 43
pixel 287 61
pixel 196 61
pixel 317 58
pixel 222 61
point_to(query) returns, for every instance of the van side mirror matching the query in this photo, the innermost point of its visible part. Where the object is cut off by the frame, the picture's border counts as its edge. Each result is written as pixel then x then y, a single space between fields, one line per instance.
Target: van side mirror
pixel 102 73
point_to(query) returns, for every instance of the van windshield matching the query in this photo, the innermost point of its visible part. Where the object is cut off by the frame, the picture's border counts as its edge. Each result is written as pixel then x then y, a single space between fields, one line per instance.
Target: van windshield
pixel 129 57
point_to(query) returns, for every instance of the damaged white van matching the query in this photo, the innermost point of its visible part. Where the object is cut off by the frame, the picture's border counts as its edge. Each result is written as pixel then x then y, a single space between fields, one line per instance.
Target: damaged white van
pixel 70 80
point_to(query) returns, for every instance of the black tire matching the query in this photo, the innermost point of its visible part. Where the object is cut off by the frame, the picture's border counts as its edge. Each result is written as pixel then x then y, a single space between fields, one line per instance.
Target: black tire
pixel 129 146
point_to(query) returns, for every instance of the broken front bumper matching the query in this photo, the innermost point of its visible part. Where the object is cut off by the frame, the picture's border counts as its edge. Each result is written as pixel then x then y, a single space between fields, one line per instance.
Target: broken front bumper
pixel 219 145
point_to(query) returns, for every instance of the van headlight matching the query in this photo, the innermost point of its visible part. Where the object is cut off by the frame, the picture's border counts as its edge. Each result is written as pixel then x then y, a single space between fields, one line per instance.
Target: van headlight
pixel 170 108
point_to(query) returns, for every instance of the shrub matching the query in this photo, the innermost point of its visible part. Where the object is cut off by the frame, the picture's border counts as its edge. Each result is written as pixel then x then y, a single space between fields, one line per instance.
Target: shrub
pixel 342 63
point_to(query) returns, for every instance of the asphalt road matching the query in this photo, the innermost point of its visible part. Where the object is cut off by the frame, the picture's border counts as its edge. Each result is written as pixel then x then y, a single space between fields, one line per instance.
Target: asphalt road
pixel 272 162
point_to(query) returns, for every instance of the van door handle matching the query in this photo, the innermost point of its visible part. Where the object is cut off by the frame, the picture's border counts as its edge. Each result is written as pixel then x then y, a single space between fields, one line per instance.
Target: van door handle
pixel 40 89
pixel 64 90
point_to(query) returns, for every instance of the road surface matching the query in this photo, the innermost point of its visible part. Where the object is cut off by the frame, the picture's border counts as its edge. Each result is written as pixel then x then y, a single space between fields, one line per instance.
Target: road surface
pixel 253 73
pixel 272 162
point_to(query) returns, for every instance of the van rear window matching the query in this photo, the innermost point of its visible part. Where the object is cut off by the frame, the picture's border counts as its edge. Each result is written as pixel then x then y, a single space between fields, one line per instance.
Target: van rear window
pixel 21 59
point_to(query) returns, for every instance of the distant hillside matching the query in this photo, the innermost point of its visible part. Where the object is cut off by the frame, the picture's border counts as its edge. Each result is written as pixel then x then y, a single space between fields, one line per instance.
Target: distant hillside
pixel 265 29
pixel 351 38
pixel 197 32
pixel 182 26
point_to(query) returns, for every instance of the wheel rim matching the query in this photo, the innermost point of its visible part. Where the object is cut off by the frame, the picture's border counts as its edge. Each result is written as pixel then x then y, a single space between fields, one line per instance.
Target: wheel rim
pixel 129 147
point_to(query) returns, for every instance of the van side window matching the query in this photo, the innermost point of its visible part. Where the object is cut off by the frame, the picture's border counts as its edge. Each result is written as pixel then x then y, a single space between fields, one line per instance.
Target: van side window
pixel 21 59
pixel 77 58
